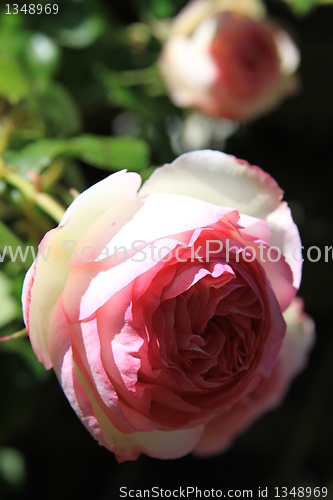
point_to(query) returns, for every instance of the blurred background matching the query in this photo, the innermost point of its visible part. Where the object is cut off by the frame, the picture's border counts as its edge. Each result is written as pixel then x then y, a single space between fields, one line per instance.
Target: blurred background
pixel 80 97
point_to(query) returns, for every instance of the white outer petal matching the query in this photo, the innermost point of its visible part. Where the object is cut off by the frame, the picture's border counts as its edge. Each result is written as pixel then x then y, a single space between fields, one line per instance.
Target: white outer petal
pixel 47 277
pixel 299 339
pixel 286 237
pixel 219 179
pixel 289 54
pixel 225 181
pixel 197 10
pixel 187 66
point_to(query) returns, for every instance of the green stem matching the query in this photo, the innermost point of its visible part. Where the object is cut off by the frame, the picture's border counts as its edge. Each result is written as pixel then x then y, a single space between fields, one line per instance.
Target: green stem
pixel 16 335
pixel 5 131
pixel 42 200
pixel 138 76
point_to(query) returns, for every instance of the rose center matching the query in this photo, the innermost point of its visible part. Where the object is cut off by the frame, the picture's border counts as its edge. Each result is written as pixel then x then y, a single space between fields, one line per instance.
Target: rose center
pixel 245 53
pixel 218 344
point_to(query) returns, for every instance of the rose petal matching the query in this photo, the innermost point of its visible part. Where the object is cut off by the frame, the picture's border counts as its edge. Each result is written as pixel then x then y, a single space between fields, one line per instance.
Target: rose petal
pixel 202 85
pixel 161 444
pixel 165 215
pixel 286 237
pixel 299 339
pixel 38 297
pixel 289 54
pixel 219 179
pixel 222 430
pixel 91 286
pixel 185 83
pixel 193 13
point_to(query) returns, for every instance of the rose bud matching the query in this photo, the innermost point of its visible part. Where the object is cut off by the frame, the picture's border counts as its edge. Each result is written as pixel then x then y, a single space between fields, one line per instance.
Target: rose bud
pixel 168 312
pixel 228 59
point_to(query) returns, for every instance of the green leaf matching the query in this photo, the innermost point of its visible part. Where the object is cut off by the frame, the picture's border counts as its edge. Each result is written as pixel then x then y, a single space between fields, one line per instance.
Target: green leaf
pixel 162 8
pixel 304 6
pixel 8 310
pixel 83 34
pixel 59 111
pixel 146 173
pixel 13 42
pixel 109 153
pixel 112 153
pixel 12 467
pixel 123 97
pixel 74 176
pixel 36 156
pixel 13 82
pixel 7 237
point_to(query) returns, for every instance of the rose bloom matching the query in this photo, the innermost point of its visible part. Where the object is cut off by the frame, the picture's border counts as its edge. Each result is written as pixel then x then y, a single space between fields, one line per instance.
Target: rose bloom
pixel 168 313
pixel 227 59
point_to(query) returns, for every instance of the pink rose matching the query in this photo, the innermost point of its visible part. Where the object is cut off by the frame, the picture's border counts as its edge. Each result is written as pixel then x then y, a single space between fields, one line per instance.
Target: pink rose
pixel 161 310
pixel 227 59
